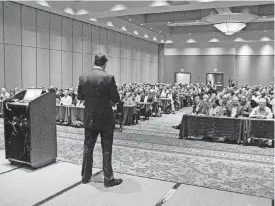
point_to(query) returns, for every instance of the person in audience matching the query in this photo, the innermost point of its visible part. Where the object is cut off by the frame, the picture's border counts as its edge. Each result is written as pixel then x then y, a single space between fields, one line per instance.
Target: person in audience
pixel 251 101
pixel 169 95
pixel 261 111
pixel 4 95
pixel 201 106
pixel 215 109
pixel 234 109
pixel 163 93
pixel 132 102
pixel 246 108
pixel 67 99
pixel 12 92
pixel 73 95
pixel 16 90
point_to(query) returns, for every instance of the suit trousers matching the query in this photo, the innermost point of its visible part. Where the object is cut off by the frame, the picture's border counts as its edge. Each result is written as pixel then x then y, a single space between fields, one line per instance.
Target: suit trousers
pixel 107 137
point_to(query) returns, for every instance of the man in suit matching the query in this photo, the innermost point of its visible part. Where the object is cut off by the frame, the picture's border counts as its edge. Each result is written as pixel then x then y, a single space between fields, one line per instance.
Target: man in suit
pixel 99 91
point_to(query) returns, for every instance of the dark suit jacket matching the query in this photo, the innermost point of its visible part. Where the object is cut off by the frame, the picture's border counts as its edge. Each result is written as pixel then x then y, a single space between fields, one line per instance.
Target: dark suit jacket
pixel 239 110
pixel 203 108
pixel 99 91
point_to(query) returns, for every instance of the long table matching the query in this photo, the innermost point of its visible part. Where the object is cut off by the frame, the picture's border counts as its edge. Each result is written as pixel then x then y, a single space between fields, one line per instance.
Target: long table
pixel 238 130
pixel 74 114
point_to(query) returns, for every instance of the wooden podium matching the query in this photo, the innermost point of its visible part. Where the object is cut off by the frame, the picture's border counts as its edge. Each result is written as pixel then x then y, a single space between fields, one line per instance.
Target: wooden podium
pixel 30 130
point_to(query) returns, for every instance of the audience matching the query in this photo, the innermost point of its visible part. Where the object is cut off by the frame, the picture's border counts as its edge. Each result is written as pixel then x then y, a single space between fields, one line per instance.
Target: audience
pixel 237 100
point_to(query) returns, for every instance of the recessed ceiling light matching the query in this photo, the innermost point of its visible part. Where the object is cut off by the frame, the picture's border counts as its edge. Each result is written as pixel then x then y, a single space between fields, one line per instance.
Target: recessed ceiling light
pixel 93 19
pixel 141 24
pixel 189 33
pixel 130 19
pixel 151 28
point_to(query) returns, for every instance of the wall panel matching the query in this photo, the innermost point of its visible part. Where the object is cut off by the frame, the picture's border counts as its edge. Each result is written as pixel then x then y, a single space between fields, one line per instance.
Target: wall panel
pixel 77 68
pixel 110 65
pixel 129 70
pixel 134 70
pixel 28 67
pixel 77 36
pixel 67 69
pixel 117 44
pixel 13 74
pixel 55 32
pixel 139 71
pixel 95 39
pixel 1 23
pixel 12 23
pixel 103 40
pixel 87 38
pixel 67 34
pixel 55 68
pixel 123 45
pixel 254 70
pixel 87 63
pixel 117 69
pixel 143 71
pixel 2 68
pixel 123 71
pixel 43 29
pixel 43 67
pixel 28 26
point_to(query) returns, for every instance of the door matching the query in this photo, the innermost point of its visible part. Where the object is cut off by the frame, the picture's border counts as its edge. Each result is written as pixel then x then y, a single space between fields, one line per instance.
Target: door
pixel 182 78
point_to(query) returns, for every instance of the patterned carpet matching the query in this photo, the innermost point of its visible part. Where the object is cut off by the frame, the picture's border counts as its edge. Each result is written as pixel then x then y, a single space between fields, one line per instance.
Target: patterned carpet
pixel 151 149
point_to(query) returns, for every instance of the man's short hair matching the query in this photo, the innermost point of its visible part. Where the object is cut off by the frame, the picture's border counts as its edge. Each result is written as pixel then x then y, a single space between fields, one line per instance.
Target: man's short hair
pixel 100 59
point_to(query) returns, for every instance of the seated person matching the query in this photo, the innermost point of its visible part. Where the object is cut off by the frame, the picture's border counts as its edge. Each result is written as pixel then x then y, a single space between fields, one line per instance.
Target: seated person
pixel 201 106
pixel 80 103
pixel 251 101
pixel 4 95
pixel 146 98
pixel 132 102
pixel 234 109
pixel 261 111
pixel 171 106
pixel 215 108
pixel 246 107
pixel 66 100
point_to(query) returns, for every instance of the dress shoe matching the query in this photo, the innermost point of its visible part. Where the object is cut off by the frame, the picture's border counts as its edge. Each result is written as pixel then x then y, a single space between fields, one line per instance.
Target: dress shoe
pixel 85 180
pixel 111 183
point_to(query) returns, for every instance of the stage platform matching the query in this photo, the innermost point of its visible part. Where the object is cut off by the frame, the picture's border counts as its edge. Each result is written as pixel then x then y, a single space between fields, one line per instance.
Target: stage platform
pixel 59 184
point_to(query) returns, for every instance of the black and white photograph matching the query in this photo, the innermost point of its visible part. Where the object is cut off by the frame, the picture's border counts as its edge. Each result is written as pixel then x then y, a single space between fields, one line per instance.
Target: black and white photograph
pixel 137 103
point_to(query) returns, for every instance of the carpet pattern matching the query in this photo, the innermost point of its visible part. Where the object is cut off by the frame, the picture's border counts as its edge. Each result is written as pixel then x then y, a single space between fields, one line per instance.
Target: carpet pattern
pixel 151 149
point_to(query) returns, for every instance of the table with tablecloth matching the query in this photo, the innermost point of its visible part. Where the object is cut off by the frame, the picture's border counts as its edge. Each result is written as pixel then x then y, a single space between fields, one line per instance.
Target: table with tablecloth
pixel 146 105
pixel 69 114
pixel 225 128
pixel 164 102
pixel 74 114
pixel 128 114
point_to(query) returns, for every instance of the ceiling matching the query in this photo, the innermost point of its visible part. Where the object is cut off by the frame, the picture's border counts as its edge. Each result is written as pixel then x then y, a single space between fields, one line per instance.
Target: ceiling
pixel 166 17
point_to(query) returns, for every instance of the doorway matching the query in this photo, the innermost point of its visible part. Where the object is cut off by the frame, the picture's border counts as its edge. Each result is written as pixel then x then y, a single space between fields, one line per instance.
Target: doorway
pixel 183 77
pixel 215 79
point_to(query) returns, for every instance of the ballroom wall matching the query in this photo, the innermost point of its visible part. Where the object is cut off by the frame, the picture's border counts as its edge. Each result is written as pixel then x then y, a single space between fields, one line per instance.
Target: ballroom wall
pixel 38 48
pixel 247 56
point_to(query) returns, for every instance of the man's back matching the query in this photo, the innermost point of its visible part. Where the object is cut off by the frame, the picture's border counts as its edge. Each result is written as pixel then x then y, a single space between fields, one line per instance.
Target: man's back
pixel 98 89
